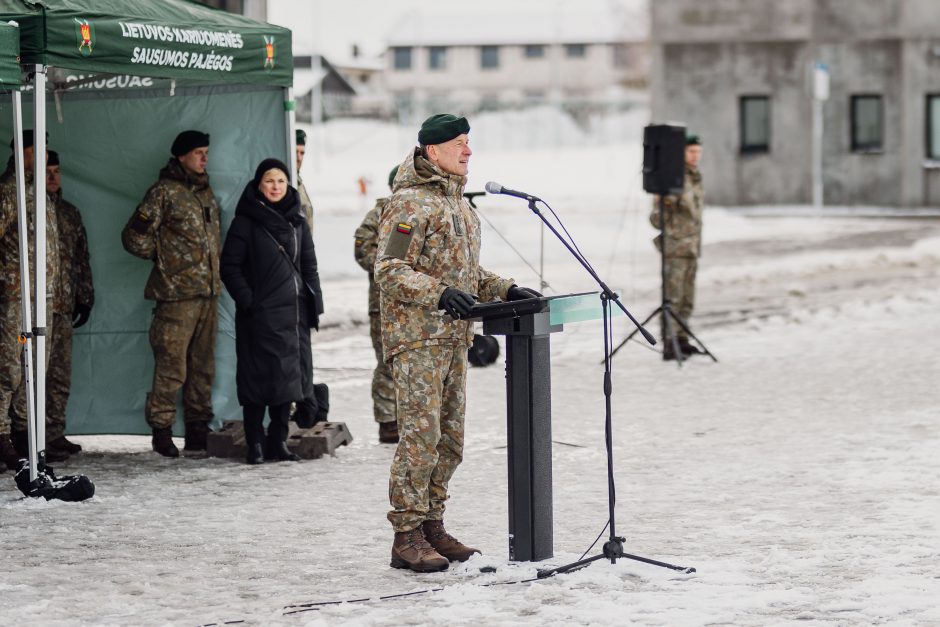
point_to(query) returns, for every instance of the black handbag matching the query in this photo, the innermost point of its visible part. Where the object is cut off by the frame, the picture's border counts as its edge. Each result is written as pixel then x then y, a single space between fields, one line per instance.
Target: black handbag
pixel 314 300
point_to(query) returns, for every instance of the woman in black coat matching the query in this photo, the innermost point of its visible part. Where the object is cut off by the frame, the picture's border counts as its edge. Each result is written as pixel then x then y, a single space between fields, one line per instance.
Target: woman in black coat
pixel 269 267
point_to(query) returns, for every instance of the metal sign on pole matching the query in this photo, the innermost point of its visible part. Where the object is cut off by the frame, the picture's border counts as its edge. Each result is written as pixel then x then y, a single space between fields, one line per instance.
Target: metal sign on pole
pixel 820 95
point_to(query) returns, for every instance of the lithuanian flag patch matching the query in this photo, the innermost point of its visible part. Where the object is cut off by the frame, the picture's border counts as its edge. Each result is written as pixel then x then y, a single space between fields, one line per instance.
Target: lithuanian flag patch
pixel 403 227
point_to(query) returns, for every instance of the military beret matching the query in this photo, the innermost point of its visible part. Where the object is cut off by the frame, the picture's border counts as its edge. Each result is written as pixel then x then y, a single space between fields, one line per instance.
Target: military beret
pixel 693 140
pixel 301 137
pixel 441 128
pixel 29 140
pixel 53 158
pixel 188 140
pixel 391 176
pixel 269 164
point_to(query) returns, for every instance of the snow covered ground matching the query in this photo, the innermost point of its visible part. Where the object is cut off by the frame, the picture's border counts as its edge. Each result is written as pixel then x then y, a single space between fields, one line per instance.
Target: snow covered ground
pixel 798 475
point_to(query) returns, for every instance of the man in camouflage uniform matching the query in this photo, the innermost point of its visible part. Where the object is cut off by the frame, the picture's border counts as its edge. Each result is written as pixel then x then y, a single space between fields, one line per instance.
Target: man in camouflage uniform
pixel 428 260
pixel 13 441
pixel 305 203
pixel 383 388
pixel 75 296
pixel 683 231
pixel 177 227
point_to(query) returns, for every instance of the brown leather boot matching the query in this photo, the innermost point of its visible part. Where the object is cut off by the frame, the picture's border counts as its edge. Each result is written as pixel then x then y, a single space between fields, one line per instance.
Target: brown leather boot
pixel 388 432
pixel 197 431
pixel 8 455
pixel 444 543
pixel 162 442
pixel 411 550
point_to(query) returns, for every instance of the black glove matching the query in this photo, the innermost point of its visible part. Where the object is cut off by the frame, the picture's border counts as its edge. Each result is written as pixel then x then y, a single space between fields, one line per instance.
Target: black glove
pixel 455 302
pixel 521 293
pixel 80 315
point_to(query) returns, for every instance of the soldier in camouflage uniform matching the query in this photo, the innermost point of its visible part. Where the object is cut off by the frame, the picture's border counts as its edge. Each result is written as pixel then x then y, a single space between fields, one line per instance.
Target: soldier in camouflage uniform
pixel 177 227
pixel 383 388
pixel 12 384
pixel 683 231
pixel 429 252
pixel 305 203
pixel 75 296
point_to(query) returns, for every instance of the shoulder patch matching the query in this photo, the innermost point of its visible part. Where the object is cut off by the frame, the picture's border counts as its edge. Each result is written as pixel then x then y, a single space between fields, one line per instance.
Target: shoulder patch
pixel 399 240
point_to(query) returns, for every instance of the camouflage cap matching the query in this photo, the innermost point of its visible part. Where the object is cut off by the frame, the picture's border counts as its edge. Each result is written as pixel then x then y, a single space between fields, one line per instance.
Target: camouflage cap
pixel 441 128
pixel 391 176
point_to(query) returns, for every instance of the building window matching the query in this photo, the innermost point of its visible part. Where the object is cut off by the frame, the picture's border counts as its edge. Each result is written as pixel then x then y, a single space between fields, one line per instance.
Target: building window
pixel 575 51
pixel 933 126
pixel 755 124
pixel 534 51
pixel 402 58
pixel 437 57
pixel 867 123
pixel 489 57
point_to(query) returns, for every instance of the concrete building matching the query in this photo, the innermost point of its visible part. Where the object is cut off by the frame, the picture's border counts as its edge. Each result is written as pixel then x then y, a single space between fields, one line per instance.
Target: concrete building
pixel 472 61
pixel 738 72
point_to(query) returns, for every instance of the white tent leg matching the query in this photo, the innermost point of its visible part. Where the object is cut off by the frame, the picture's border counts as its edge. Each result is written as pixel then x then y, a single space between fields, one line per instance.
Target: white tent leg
pixel 290 119
pixel 22 221
pixel 39 179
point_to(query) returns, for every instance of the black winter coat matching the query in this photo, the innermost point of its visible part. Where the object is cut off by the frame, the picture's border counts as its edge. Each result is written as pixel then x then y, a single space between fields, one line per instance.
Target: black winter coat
pixel 272 332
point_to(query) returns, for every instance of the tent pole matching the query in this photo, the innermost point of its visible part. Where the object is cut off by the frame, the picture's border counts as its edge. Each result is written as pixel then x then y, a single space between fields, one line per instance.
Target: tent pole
pixel 290 120
pixel 39 179
pixel 25 312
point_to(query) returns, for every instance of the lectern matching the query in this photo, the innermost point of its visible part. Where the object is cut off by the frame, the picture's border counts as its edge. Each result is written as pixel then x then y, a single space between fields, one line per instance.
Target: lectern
pixel 527 325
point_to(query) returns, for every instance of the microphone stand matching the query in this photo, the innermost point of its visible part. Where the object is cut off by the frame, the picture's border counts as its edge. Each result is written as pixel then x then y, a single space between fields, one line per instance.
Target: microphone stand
pixel 613 548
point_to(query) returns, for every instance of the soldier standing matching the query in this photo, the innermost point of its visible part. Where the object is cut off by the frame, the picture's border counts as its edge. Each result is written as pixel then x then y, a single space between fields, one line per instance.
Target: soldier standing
pixel 683 231
pixel 383 388
pixel 305 203
pixel 429 261
pixel 12 384
pixel 75 296
pixel 177 227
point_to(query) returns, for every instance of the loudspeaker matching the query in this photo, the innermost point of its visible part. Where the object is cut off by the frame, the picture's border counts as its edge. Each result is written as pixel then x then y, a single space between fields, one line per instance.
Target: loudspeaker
pixel 663 159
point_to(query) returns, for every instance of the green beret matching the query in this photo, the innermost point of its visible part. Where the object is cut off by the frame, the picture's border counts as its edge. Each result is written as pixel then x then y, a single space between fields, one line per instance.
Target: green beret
pixel 188 141
pixel 391 176
pixel 301 137
pixel 693 140
pixel 441 128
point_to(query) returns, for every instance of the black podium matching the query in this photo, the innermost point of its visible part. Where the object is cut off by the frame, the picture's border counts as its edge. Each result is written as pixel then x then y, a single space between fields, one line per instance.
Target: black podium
pixel 527 327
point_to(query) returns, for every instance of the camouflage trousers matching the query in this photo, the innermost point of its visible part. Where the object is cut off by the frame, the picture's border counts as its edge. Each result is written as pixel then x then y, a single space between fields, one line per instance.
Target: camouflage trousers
pixel 680 290
pixel 383 387
pixel 59 375
pixel 182 336
pixel 430 392
pixel 12 382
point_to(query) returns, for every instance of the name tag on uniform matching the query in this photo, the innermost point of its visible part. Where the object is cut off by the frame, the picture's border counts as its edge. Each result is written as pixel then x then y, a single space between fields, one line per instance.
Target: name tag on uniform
pixel 458 225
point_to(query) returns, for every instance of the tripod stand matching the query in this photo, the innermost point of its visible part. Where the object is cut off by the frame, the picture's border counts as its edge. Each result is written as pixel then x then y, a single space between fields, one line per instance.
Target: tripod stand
pixel 613 548
pixel 665 308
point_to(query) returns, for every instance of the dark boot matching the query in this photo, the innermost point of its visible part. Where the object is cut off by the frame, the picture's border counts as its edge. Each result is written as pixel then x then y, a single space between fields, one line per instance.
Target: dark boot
pixel 196 433
pixel 278 430
pixel 56 454
pixel 8 455
pixel 65 444
pixel 411 550
pixel 162 442
pixel 20 441
pixel 444 543
pixel 388 432
pixel 688 348
pixel 253 422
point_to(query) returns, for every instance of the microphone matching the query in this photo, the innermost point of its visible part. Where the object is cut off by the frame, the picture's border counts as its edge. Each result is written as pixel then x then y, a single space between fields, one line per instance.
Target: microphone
pixel 495 188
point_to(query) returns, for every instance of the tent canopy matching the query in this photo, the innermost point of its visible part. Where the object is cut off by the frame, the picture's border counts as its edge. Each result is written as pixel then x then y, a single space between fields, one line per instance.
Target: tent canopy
pixel 166 38
pixel 113 131
pixel 9 56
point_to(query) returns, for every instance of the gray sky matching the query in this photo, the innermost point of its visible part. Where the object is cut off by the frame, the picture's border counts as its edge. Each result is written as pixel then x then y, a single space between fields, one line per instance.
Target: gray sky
pixel 331 27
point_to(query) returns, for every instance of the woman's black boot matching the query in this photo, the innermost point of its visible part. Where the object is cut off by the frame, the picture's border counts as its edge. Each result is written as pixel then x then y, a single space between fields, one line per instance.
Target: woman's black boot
pixel 254 433
pixel 277 435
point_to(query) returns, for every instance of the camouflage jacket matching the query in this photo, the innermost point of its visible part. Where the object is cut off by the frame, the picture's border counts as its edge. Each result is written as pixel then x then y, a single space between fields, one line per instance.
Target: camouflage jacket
pixel 305 203
pixel 73 282
pixel 10 290
pixel 683 218
pixel 429 239
pixel 364 247
pixel 177 227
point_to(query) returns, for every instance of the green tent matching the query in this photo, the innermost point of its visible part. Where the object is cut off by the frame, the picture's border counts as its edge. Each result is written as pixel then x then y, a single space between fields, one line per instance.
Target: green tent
pixel 9 56
pixel 121 78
